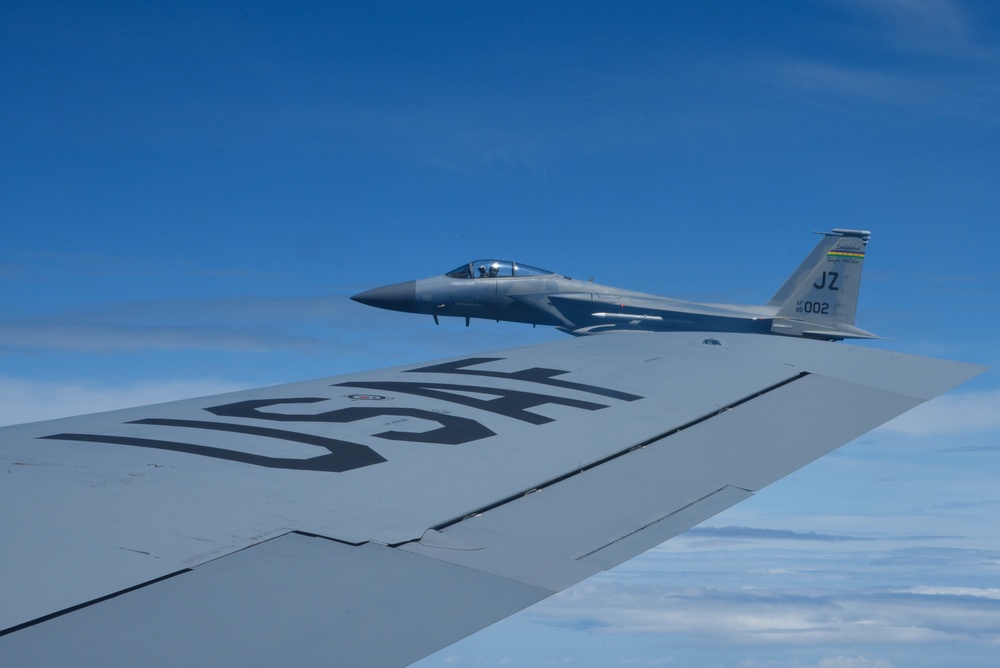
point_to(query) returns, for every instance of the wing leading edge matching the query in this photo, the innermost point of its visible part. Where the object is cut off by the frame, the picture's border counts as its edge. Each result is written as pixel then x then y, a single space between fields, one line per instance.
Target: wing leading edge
pixel 375 518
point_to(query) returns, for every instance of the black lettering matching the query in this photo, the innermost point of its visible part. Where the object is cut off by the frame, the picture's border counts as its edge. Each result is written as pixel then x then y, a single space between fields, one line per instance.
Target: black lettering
pixel 343 456
pixel 822 308
pixel 454 430
pixel 833 275
pixel 534 375
pixel 510 403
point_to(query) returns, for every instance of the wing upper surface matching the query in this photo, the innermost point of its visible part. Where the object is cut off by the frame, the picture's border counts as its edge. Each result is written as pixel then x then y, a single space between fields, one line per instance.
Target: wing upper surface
pixel 497 479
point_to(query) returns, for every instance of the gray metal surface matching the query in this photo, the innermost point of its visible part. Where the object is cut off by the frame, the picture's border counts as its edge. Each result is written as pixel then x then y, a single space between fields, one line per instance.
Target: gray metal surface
pixel 537 466
pixel 819 300
pixel 292 601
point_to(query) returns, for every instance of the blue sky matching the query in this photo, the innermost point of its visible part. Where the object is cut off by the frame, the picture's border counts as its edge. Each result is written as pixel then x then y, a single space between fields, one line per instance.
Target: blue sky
pixel 189 193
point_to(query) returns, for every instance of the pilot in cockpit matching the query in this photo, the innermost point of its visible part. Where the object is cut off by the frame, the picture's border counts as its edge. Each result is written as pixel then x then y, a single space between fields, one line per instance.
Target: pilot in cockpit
pixel 482 271
pixel 494 269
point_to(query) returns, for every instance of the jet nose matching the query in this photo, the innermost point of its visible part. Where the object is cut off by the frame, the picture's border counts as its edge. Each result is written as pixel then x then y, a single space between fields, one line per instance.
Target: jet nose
pixel 396 297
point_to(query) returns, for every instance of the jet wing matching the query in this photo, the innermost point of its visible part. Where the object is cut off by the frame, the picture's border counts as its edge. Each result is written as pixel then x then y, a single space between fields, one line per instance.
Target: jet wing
pixel 374 518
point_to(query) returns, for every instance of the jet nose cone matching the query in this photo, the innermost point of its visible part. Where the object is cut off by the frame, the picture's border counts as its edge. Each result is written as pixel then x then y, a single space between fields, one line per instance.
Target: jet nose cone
pixel 396 297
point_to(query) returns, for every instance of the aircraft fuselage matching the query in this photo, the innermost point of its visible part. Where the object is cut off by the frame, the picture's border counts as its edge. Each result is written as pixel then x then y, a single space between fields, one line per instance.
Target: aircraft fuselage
pixel 575 306
pixel 818 300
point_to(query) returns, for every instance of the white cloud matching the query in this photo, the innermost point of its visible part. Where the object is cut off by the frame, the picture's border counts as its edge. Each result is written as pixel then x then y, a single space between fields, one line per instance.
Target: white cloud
pixel 859 83
pixel 65 335
pixel 29 400
pixel 827 662
pixel 920 23
pixel 793 617
pixel 853 662
pixel 951 413
pixel 934 63
pixel 240 323
pixel 979 592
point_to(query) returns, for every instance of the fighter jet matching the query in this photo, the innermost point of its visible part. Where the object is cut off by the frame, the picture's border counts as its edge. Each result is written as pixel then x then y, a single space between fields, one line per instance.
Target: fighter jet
pixel 818 301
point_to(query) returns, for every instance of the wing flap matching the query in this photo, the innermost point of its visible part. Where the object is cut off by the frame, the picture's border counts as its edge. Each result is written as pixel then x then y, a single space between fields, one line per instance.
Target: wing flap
pixel 650 535
pixel 293 600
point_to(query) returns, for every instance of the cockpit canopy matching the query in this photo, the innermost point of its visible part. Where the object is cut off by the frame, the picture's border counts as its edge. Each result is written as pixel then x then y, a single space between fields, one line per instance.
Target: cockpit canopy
pixel 496 269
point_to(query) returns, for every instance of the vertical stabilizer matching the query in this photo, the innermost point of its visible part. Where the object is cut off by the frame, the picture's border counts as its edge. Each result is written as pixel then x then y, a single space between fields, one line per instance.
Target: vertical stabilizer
pixel 824 301
pixel 804 269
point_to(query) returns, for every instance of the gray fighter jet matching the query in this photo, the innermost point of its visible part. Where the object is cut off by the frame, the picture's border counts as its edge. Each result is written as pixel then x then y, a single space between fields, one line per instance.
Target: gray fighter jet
pixel 819 299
